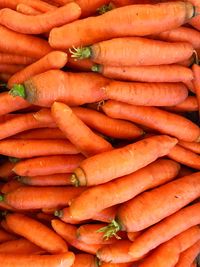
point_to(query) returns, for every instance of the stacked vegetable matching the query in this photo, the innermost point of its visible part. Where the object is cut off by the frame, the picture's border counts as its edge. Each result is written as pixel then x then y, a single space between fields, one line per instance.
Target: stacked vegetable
pixel 99 133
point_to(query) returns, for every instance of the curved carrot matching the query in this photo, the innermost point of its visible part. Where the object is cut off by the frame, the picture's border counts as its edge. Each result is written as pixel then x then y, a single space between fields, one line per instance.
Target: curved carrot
pixel 53 60
pixel 97 198
pixel 65 216
pixel 135 20
pixel 25 45
pixel 87 142
pixel 6 58
pixel 4 236
pixel 154 118
pixel 196 82
pixel 185 157
pixel 195 22
pixel 190 104
pixel 165 230
pixel 84 260
pixel 193 146
pixel 6 170
pixel 37 233
pixel 122 161
pixel 48 197
pixel 162 73
pixel 68 233
pixel 27 10
pixel 11 186
pixel 5 226
pixel 40 134
pixel 20 246
pixel 14 260
pixel 10 68
pixel 48 165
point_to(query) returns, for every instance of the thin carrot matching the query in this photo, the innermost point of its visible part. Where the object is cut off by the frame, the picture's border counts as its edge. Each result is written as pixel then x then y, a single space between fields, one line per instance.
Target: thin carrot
pixel 161 73
pixel 40 134
pixel 21 44
pixel 190 104
pixel 86 141
pixel 48 197
pixel 65 216
pixel 154 118
pixel 68 233
pixel 4 236
pixel 143 211
pixel 6 170
pixel 53 60
pixel 84 260
pixel 20 246
pixel 193 146
pixel 14 260
pixel 10 186
pixel 5 226
pixel 165 230
pixel 10 68
pixel 97 198
pixel 185 157
pixel 196 82
pixel 27 10
pixel 6 58
pixel 139 20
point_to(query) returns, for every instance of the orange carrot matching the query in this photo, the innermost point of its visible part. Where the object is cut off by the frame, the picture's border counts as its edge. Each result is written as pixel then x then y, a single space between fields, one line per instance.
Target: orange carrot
pixel 122 161
pixel 20 246
pixel 165 230
pixel 10 68
pixel 6 170
pixel 193 146
pixel 133 235
pixel 84 260
pixel 4 77
pixel 196 82
pixel 159 120
pixel 14 260
pixel 106 125
pixel 97 198
pixel 79 65
pixel 40 134
pixel 24 148
pixel 11 186
pixel 27 10
pixel 86 141
pixel 53 60
pixel 90 7
pixel 137 51
pixel 4 236
pixel 185 157
pixel 36 232
pixel 162 73
pixel 25 45
pixel 190 104
pixel 5 226
pixel 48 197
pixel 139 20
pixel 48 165
pixel 6 58
pixel 68 233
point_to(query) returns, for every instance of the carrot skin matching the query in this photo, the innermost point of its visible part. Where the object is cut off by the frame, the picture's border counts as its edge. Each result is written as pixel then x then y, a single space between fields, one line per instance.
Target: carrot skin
pixel 190 104
pixel 40 134
pixel 27 10
pixel 4 236
pixel 193 146
pixel 196 83
pixel 84 260
pixel 6 58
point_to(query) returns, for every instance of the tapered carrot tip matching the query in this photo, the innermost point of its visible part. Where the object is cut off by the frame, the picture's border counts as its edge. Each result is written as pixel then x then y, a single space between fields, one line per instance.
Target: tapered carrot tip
pixel 111 230
pixel 81 52
pixel 18 90
pixel 105 8
pixel 78 178
pixel 58 213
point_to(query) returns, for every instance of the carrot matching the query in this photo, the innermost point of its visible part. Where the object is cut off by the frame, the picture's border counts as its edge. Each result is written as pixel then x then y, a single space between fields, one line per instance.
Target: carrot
pixel 47 180
pixel 68 233
pixel 27 10
pixel 6 58
pixel 10 68
pixel 79 65
pixel 165 230
pixel 11 186
pixel 22 44
pixel 190 86
pixel 23 148
pixel 190 104
pixel 139 20
pixel 133 235
pixel 65 216
pixel 137 51
pixel 48 197
pixel 127 264
pixel 184 171
pixel 193 146
pixel 14 260
pixel 48 165
pixel 196 82
pixel 97 198
pixel 106 125
pixel 4 236
pixel 77 132
pixel 36 232
pixel 84 260
pixel 40 134
pixel 6 170
pixel 185 157
pixel 161 73
pixel 20 246
pixel 53 60
pixel 167 255
pixel 156 119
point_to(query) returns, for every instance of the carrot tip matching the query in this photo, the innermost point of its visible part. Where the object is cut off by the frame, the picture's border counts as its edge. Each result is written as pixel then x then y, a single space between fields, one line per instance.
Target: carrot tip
pixel 74 180
pixel 96 68
pixel 81 52
pixel 110 230
pixel 105 8
pixel 18 90
pixel 58 213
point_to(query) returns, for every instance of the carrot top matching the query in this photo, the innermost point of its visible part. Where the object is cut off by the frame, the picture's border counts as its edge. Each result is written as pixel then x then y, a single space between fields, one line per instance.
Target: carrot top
pixel 81 52
pixel 18 90
pixel 105 8
pixel 111 230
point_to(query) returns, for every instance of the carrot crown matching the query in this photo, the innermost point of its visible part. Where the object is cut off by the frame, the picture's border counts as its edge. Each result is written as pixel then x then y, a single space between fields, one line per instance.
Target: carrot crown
pixel 18 90
pixel 75 180
pixel 81 52
pixel 105 8
pixel 111 230
pixel 58 213
pixel 96 68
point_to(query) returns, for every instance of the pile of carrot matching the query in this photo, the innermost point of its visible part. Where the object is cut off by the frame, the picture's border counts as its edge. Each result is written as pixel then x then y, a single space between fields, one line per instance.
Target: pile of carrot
pixel 100 133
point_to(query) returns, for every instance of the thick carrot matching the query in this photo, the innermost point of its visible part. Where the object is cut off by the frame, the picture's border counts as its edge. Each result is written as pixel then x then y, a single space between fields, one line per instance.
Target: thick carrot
pixel 68 233
pixel 97 198
pixel 40 134
pixel 27 10
pixel 11 186
pixel 139 20
pixel 86 141
pixel 6 58
pixel 24 148
pixel 110 127
pixel 196 82
pixel 20 246
pixel 190 86
pixel 154 118
pixel 53 60
pixel 185 157
pixel 162 73
pixel 129 51
pixel 167 255
pixel 188 256
pixel 40 23
pixel 47 180
pixel 6 170
pixel 84 260
pixel 190 104
pixel 193 146
pixel 48 197
pixel 165 230
pixel 10 68
pixel 14 260
pixel 4 236
pixel 21 44
pixel 48 165
pixel 36 232
pixel 122 161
